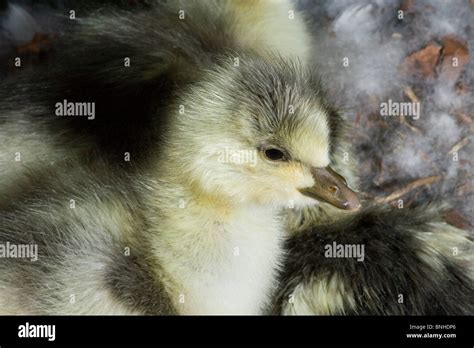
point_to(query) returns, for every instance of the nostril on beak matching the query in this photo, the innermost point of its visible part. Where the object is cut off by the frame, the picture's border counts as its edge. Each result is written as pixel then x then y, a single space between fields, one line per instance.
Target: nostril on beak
pixel 334 189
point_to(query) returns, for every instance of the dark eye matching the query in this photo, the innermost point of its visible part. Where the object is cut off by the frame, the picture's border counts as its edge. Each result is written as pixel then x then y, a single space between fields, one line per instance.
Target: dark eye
pixel 274 154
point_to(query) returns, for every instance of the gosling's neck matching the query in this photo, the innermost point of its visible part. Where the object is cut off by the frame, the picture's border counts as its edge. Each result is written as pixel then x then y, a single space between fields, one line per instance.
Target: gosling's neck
pixel 218 256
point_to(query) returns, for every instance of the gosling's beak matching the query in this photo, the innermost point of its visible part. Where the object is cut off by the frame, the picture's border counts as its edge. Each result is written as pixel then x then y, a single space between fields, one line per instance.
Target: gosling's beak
pixel 330 187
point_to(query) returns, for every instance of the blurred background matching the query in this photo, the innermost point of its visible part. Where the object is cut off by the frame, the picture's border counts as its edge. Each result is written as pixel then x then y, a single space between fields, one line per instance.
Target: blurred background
pixel 368 52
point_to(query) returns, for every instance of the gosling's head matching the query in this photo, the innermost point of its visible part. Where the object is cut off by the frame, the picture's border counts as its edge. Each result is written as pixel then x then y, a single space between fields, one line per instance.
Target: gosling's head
pixel 260 132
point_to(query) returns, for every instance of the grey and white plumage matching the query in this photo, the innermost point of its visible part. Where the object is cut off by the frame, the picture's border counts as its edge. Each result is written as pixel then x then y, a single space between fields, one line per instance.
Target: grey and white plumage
pixel 175 230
